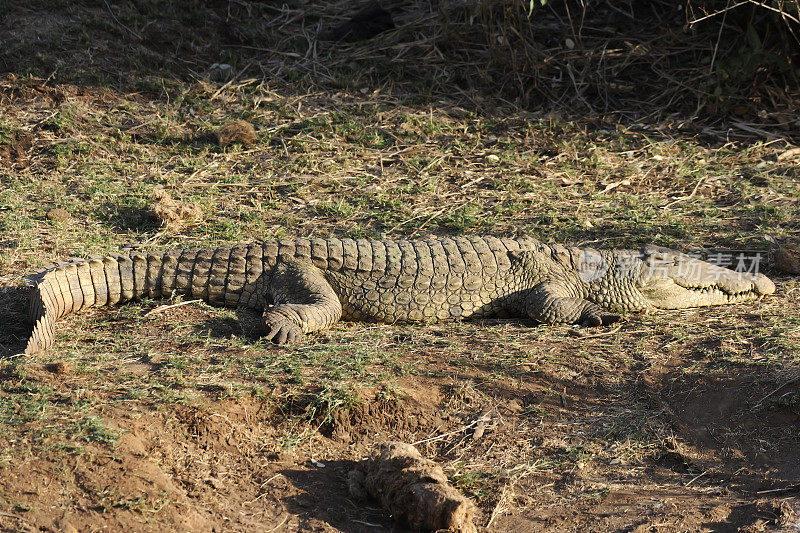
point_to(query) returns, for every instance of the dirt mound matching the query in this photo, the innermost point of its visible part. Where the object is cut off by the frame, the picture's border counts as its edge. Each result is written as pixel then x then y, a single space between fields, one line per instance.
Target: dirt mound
pixel 410 414
pixel 14 149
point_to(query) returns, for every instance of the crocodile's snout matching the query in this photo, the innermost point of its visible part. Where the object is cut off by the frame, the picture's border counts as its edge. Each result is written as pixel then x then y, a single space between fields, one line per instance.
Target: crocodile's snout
pixel 763 285
pixel 735 283
pixel 673 280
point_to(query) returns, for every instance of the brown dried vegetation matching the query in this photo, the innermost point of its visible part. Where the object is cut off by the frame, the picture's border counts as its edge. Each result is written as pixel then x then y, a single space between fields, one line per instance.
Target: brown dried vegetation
pixel 174 214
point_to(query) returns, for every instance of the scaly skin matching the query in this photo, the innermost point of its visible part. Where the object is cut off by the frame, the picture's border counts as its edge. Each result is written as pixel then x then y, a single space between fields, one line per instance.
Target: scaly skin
pixel 306 285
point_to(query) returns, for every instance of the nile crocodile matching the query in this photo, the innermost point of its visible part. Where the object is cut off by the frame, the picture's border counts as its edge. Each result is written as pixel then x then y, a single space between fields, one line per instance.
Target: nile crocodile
pixel 306 285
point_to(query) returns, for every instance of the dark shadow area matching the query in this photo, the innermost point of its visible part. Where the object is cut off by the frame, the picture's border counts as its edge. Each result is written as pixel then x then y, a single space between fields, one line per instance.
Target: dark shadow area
pixel 123 217
pixel 222 328
pixel 685 66
pixel 248 323
pixel 14 326
pixel 335 507
pixel 778 514
pixel 732 414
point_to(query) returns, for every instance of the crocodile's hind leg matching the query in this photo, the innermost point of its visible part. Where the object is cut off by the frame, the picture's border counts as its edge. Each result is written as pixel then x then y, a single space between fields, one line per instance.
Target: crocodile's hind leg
pixel 552 303
pixel 304 302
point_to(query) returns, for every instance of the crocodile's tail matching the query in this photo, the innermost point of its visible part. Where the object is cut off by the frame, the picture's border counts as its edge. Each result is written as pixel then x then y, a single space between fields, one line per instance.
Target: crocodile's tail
pixel 216 275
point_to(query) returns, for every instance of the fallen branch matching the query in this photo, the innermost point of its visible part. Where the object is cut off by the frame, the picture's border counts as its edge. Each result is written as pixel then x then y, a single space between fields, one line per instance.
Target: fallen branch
pixel 165 307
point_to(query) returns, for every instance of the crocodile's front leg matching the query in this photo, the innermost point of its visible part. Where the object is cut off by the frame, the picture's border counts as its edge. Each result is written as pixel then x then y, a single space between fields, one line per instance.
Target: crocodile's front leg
pixel 552 303
pixel 304 302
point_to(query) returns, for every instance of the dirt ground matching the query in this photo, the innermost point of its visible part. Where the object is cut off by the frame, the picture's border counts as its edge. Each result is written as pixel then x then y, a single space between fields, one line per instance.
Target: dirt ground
pixel 607 431
pixel 154 418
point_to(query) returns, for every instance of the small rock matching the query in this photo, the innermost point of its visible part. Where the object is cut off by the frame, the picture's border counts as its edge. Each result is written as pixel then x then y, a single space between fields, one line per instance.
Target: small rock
pixel 239 131
pixel 480 429
pixel 59 213
pixel 787 258
pixel 412 488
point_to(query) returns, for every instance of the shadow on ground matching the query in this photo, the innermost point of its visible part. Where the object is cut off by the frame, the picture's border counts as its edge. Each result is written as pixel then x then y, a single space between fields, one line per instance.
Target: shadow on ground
pixel 619 68
pixel 14 327
pixel 324 495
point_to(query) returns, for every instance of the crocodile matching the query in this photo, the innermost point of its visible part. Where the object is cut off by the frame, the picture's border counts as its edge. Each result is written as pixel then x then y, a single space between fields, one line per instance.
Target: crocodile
pixel 306 285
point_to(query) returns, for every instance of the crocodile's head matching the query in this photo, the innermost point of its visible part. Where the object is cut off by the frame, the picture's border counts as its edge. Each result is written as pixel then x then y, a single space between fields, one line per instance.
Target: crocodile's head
pixel 672 280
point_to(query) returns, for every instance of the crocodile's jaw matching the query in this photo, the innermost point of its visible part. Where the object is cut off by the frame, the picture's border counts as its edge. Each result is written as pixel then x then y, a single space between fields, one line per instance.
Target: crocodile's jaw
pixel 672 280
pixel 668 294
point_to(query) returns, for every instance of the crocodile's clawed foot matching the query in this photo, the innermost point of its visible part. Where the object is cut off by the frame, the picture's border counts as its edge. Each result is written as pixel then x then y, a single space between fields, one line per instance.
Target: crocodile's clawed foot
pixel 283 333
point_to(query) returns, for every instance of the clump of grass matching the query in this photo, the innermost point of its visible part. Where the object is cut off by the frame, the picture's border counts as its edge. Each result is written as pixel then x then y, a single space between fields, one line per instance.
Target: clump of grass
pixel 93 429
